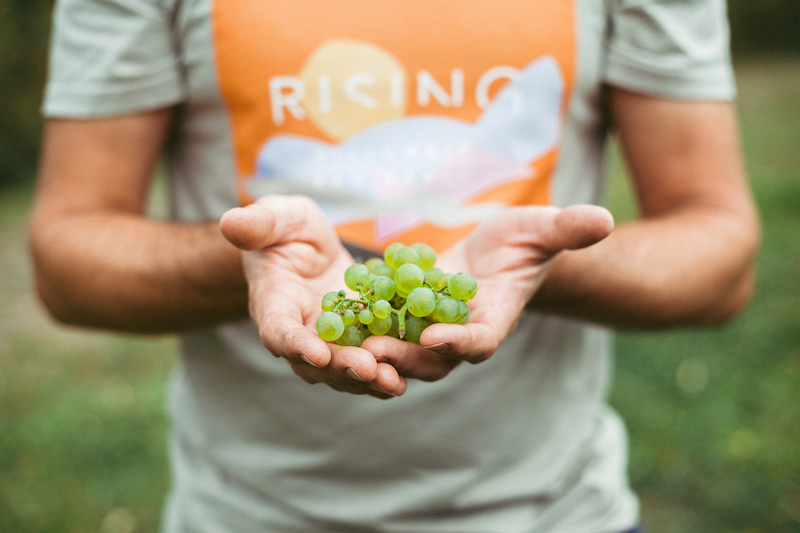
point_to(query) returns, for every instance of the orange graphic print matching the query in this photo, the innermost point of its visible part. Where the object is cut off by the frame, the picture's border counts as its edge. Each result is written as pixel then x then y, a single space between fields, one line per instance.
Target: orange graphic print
pixel 407 120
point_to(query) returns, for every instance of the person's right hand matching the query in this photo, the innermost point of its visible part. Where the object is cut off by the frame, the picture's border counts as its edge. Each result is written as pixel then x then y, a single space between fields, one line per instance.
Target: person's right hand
pixel 292 257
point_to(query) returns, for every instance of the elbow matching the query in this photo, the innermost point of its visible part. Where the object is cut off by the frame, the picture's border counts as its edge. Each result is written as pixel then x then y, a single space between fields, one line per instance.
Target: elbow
pixel 57 302
pixel 732 303
pixel 52 298
pixel 51 287
pixel 713 288
pixel 47 298
pixel 737 289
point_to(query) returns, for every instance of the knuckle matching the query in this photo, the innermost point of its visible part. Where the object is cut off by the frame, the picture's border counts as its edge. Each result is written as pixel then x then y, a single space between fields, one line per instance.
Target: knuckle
pixel 439 372
pixel 479 358
pixel 302 371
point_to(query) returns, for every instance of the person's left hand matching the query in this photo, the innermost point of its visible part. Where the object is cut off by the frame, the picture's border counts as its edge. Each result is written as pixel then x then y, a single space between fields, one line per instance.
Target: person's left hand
pixel 509 256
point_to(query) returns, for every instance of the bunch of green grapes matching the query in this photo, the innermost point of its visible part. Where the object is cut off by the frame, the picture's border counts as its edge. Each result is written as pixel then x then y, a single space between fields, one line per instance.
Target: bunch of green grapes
pixel 405 282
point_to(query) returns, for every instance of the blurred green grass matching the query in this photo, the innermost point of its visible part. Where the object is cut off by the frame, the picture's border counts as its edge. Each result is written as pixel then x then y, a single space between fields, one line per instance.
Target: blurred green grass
pixel 714 414
pixel 82 431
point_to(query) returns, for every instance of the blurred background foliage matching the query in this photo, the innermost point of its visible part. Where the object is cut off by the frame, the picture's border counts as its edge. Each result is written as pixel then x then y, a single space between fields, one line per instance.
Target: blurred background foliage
pixel 24 36
pixel 713 414
pixel 764 26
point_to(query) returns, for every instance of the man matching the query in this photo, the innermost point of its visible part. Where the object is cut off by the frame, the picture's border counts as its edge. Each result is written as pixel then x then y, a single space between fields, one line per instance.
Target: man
pixel 430 115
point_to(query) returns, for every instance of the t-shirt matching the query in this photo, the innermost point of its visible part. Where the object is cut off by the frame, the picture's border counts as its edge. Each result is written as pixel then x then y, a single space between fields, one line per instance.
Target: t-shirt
pixel 408 121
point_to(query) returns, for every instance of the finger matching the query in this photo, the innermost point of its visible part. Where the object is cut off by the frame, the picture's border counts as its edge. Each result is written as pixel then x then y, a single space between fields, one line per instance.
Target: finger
pixel 352 387
pixel 472 342
pixel 349 363
pixel 387 385
pixel 387 382
pixel 246 227
pixel 361 389
pixel 578 226
pixel 409 359
pixel 276 219
pixel 286 337
pixel 541 231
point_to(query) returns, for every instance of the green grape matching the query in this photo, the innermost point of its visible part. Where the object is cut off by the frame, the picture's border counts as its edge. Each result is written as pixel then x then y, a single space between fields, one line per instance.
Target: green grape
pixel 330 300
pixel 398 301
pixel 381 309
pixel 388 253
pixel 394 330
pixel 380 326
pixel 406 285
pixel 382 269
pixel 434 275
pixel 372 262
pixel 333 296
pixel 421 302
pixel 404 256
pixel 330 326
pixel 462 286
pixel 427 255
pixel 355 275
pixel 366 317
pixel 350 337
pixel 414 328
pixel 408 277
pixel 463 316
pixel 448 310
pixel 383 288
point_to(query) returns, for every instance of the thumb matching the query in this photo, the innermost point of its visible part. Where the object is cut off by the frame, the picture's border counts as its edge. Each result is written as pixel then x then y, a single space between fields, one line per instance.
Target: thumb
pixel 578 226
pixel 272 220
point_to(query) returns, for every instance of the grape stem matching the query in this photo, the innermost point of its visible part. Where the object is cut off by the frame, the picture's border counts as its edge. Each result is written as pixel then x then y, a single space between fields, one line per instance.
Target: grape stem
pixel 437 292
pixel 401 320
pixel 364 295
pixel 347 303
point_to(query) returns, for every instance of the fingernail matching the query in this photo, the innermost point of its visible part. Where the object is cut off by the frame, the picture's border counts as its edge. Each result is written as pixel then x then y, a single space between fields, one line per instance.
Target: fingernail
pixel 307 360
pixel 441 348
pixel 378 388
pixel 353 374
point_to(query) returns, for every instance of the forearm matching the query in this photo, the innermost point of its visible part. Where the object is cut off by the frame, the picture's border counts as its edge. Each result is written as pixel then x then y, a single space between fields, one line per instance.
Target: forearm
pixel 124 272
pixel 693 267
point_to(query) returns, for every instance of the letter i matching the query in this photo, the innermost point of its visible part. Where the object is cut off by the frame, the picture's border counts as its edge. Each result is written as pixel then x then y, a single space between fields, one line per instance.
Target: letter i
pixel 397 89
pixel 324 91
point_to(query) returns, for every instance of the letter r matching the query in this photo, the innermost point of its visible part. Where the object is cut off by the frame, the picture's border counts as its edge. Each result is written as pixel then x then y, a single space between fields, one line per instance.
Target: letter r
pixel 290 99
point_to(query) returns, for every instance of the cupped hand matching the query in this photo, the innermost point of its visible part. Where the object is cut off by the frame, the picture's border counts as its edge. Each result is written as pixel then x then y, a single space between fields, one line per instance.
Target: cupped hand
pixel 291 258
pixel 509 256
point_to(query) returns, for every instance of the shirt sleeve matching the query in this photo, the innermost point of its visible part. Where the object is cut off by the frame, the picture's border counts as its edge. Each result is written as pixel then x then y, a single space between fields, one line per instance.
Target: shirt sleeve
pixel 671 48
pixel 112 57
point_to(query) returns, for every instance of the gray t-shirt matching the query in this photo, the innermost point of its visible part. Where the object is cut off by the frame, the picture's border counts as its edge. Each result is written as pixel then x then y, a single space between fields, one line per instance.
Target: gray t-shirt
pixel 477 104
